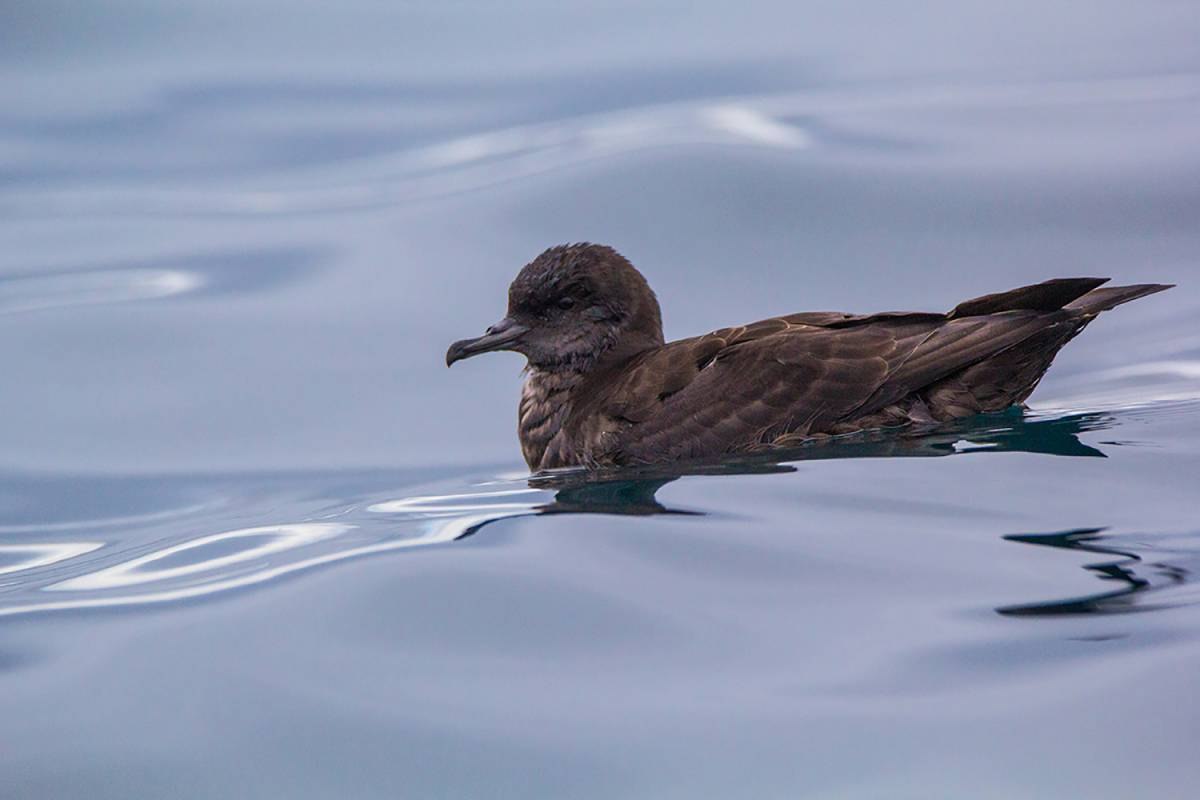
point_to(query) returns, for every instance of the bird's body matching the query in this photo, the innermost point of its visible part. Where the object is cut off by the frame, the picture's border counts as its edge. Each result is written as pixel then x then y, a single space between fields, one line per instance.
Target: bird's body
pixel 603 389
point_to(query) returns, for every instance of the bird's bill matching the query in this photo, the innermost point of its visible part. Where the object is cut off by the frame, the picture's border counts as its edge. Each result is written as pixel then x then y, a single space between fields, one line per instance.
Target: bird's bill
pixel 501 336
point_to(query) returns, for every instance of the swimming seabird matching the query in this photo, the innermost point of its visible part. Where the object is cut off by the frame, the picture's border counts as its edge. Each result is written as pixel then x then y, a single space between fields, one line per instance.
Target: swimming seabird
pixel 603 389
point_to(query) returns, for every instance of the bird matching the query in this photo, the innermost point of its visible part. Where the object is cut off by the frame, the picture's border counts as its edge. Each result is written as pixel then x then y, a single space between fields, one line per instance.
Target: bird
pixel 603 389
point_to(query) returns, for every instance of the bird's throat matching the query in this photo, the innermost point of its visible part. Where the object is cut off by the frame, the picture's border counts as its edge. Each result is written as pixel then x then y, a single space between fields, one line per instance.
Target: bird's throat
pixel 545 405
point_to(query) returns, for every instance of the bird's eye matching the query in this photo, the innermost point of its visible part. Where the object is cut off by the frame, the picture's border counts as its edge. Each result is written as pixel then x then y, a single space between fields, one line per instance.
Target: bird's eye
pixel 566 302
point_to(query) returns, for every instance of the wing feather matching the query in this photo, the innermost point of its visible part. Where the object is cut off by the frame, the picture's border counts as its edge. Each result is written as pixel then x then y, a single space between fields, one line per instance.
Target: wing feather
pixel 743 388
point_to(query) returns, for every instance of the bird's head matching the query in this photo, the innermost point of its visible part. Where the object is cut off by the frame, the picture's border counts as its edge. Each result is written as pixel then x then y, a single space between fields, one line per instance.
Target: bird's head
pixel 571 306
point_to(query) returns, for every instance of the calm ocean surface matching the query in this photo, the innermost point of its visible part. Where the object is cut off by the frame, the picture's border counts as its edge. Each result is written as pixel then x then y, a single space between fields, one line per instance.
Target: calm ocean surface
pixel 257 541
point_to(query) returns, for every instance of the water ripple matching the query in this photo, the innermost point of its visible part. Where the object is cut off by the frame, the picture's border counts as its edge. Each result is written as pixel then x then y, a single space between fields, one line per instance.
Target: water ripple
pixel 1158 566
pixel 102 571
pixel 206 272
pixel 21 557
pixel 789 121
pixel 257 543
pixel 235 559
pixel 41 292
pixel 1153 382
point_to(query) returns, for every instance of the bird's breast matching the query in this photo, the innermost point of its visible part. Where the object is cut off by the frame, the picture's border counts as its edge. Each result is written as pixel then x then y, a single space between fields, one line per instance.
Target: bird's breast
pixel 545 403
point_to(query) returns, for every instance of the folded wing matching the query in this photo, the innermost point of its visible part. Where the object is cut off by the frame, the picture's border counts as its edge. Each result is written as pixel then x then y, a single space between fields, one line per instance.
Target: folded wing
pixel 785 378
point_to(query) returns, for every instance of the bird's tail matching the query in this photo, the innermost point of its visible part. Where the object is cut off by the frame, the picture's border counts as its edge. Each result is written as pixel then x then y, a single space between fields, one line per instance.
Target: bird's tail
pixel 1076 294
pixel 1050 295
pixel 1098 300
pixel 1009 376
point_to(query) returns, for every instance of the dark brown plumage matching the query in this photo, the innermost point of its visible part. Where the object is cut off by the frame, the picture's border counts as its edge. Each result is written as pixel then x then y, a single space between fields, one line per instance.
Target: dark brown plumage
pixel 602 388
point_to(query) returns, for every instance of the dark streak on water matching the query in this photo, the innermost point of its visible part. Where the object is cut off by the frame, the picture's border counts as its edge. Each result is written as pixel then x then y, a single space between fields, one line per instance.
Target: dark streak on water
pixel 256 541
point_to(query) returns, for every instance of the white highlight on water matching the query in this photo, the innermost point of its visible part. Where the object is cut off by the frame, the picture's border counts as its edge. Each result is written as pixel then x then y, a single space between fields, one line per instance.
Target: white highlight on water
pixel 63 290
pixel 43 554
pixel 440 519
pixel 141 570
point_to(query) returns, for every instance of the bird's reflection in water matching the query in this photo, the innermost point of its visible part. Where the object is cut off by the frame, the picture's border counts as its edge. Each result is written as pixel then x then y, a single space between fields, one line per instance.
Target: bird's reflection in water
pixel 634 492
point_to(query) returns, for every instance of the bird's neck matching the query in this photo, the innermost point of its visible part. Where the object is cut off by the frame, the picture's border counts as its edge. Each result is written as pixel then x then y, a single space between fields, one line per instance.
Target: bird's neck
pixel 549 396
pixel 545 405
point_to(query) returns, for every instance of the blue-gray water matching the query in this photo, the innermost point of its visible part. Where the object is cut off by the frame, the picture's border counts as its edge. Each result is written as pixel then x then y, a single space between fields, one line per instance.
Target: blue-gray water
pixel 256 541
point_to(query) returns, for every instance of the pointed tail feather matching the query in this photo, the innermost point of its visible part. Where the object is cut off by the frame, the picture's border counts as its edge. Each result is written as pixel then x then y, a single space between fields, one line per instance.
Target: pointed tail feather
pixel 1007 376
pixel 1099 300
pixel 1049 295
